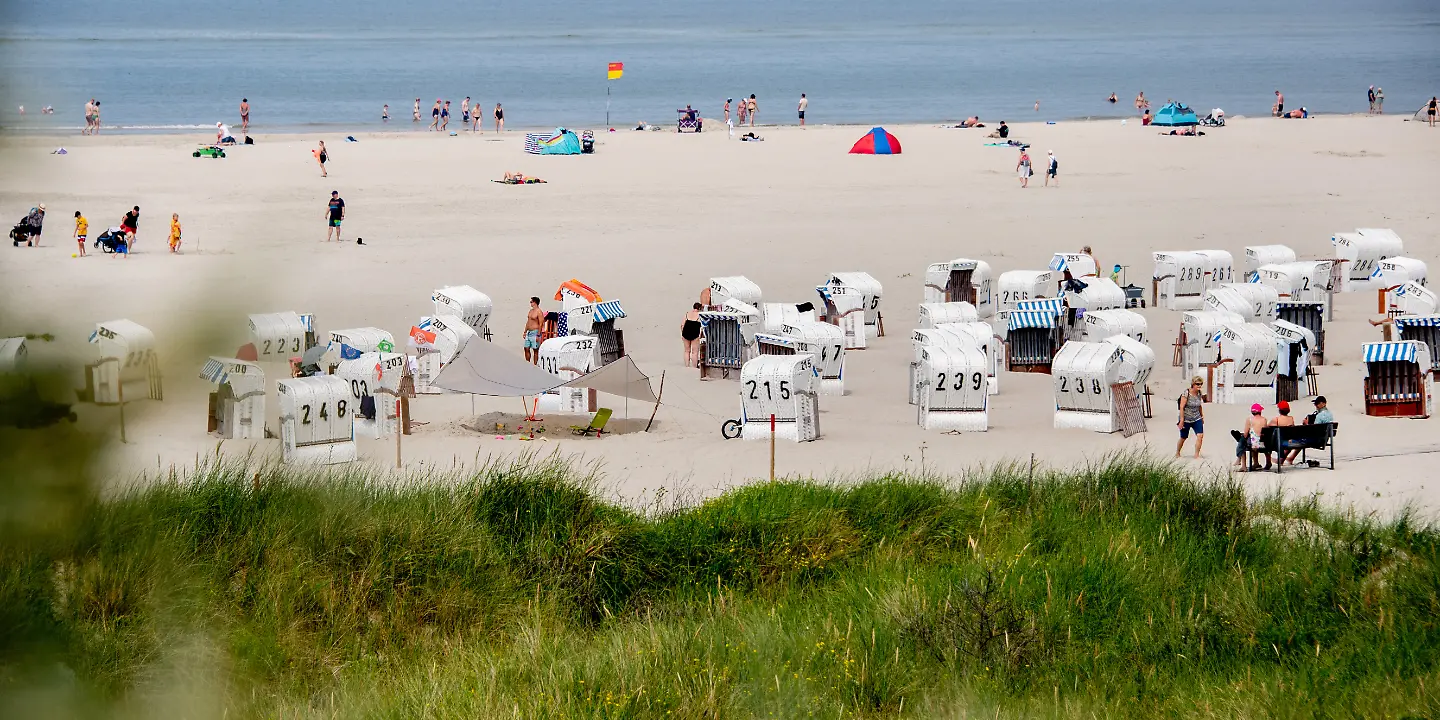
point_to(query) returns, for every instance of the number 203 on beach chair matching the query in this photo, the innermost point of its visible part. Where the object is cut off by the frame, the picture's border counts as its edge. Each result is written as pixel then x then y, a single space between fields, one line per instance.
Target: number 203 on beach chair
pixel 596 426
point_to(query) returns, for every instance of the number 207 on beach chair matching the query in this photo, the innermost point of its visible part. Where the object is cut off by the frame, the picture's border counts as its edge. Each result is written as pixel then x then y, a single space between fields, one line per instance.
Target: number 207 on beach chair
pixel 596 426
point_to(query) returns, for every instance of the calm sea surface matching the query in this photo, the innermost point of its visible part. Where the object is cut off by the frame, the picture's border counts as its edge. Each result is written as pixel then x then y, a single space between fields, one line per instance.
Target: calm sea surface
pixel 331 64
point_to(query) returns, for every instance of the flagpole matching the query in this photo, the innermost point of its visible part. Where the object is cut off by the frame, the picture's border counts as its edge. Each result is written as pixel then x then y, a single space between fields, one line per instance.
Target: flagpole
pixel 607 104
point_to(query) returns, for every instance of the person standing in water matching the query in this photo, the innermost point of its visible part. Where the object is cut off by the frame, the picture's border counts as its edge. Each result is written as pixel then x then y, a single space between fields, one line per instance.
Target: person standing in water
pixel 500 127
pixel 804 103
pixel 245 115
pixel 465 112
pixel 477 123
pixel 416 111
pixel 1379 101
pixel 385 113
pixel 751 106
pixel 435 115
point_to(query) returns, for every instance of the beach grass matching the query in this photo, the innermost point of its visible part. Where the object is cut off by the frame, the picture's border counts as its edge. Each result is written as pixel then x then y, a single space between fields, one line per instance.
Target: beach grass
pixel 1123 589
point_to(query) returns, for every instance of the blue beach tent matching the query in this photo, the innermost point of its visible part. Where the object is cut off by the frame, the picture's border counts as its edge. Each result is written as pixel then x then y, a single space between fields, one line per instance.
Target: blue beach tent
pixel 1175 115
pixel 563 143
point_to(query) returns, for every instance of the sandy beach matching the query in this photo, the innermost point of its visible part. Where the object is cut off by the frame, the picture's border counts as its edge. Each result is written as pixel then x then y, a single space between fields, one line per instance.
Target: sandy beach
pixel 650 217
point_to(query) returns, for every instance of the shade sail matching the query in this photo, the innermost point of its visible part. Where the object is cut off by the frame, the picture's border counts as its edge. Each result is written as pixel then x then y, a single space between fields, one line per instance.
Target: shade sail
pixel 484 368
pixel 622 378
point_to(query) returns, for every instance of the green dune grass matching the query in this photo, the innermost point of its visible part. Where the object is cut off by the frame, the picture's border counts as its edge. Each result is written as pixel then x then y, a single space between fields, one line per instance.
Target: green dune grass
pixel 1121 590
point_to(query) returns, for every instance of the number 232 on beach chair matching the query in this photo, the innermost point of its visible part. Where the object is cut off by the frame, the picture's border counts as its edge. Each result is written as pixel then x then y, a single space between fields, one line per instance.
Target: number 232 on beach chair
pixel 596 426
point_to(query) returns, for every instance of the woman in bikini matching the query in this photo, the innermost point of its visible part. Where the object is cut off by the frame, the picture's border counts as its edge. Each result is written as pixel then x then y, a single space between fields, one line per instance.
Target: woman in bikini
pixel 690 333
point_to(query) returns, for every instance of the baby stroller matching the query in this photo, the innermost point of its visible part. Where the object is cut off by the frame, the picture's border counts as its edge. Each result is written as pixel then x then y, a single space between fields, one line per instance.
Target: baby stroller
pixel 1216 118
pixel 20 234
pixel 111 241
pixel 587 142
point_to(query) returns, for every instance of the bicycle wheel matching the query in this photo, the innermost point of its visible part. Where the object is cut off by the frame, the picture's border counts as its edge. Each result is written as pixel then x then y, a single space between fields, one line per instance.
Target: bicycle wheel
pixel 730 429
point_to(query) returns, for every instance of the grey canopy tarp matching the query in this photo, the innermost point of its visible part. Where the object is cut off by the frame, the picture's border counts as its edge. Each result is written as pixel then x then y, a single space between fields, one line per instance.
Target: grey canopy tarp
pixel 622 378
pixel 483 368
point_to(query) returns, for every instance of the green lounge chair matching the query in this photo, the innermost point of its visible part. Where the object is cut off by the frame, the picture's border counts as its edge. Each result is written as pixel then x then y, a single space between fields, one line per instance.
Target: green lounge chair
pixel 596 426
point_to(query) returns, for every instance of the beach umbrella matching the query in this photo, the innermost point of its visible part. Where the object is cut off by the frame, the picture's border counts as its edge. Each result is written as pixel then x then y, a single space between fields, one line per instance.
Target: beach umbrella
pixel 876 142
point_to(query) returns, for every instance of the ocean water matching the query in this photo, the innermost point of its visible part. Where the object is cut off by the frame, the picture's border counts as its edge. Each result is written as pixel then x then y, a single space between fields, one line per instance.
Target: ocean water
pixel 332 64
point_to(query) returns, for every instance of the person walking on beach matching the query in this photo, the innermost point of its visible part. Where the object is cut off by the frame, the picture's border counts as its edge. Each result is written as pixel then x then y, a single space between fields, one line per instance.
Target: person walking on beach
pixel 690 336
pixel 804 103
pixel 96 129
pixel 1023 168
pixel 89 117
pixel 322 157
pixel 465 112
pixel 174 232
pixel 82 231
pixel 334 215
pixel 533 322
pixel 751 106
pixel 416 111
pixel 477 123
pixel 445 117
pixel 727 109
pixel 1279 104
pixel 1052 167
pixel 129 226
pixel 1379 101
pixel 500 127
pixel 435 115
pixel 245 115
pixel 1430 111
pixel 1371 96
pixel 1192 416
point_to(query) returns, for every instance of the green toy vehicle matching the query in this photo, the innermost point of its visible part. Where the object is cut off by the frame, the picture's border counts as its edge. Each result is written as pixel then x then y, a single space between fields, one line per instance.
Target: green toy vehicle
pixel 213 152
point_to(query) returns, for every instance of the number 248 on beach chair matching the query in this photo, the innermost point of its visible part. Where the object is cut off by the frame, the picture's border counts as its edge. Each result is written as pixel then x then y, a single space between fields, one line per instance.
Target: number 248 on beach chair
pixel 596 426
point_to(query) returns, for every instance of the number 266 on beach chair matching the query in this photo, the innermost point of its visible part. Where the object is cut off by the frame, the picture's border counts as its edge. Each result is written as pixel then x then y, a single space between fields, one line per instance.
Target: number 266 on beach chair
pixel 596 426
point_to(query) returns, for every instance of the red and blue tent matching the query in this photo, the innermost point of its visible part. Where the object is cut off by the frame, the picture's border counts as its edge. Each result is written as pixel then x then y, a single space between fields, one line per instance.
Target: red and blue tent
pixel 877 142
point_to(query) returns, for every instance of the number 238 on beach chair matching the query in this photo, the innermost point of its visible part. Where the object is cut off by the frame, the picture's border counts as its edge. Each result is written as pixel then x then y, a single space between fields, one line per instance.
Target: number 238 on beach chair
pixel 596 426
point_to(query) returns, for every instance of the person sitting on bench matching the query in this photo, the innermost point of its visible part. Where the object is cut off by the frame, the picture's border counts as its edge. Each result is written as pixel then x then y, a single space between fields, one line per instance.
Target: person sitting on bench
pixel 1283 420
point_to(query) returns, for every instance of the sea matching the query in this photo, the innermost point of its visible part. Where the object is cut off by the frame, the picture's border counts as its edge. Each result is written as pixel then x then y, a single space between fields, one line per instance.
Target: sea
pixel 330 65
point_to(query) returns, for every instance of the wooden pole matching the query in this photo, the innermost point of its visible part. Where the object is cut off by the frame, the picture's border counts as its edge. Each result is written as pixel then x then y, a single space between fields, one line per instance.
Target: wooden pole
pixel 399 432
pixel 120 390
pixel 772 447
pixel 657 401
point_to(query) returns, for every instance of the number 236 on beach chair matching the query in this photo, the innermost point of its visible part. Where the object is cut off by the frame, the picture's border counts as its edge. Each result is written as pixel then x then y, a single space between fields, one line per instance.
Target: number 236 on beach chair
pixel 596 426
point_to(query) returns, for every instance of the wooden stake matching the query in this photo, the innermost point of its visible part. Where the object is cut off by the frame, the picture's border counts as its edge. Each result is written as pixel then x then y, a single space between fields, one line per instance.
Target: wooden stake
pixel 657 401
pixel 399 433
pixel 772 447
pixel 120 390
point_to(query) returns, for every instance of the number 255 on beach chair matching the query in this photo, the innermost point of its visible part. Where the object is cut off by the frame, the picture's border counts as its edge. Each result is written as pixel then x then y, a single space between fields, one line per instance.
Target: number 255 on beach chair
pixel 596 426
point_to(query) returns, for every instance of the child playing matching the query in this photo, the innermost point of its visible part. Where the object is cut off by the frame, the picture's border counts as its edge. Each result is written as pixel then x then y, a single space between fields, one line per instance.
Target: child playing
pixel 174 232
pixel 82 228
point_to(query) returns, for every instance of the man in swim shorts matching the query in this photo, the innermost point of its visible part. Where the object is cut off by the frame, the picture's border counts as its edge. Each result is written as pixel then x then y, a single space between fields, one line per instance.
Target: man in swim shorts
pixel 334 214
pixel 129 225
pixel 533 321
pixel 245 115
pixel 804 103
pixel 82 231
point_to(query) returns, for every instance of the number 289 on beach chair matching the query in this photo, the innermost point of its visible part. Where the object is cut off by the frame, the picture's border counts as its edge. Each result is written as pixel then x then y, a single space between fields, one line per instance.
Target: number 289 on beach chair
pixel 596 426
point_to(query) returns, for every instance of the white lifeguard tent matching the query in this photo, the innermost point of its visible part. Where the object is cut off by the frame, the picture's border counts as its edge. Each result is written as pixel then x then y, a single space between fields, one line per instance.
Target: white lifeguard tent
pixel 960 280
pixel 1199 340
pixel 1181 278
pixel 374 380
pixel 1082 375
pixel 126 357
pixel 870 290
pixel 992 346
pixel 1398 271
pixel 1361 252
pixel 1101 324
pixel 1302 281
pixel 1079 264
pixel 1398 379
pixel 731 287
pixel 1249 359
pixel 1016 286
pixel 935 314
pixel 437 342
pixel 315 420
pixel 277 337
pixel 236 409
pixel 567 358
pixel 465 304
pixel 1413 299
pixel 13 354
pixel 1259 255
pixel 952 389
pixel 1253 301
pixel 782 387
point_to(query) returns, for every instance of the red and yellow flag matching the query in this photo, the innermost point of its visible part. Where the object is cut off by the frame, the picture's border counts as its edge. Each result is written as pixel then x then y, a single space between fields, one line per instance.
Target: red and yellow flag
pixel 615 71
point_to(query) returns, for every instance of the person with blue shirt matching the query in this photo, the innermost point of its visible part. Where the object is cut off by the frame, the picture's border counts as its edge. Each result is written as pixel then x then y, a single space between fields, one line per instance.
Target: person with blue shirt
pixel 1322 414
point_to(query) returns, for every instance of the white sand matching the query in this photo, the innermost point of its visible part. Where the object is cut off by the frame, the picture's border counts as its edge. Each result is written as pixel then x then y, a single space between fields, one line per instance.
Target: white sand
pixel 651 216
